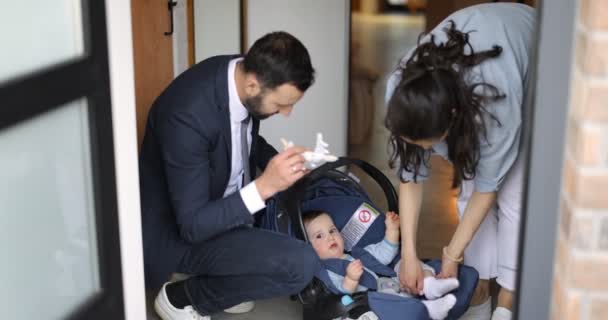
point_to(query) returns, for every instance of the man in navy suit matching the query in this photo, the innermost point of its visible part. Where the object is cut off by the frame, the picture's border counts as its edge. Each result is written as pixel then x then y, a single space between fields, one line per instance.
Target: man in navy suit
pixel 200 152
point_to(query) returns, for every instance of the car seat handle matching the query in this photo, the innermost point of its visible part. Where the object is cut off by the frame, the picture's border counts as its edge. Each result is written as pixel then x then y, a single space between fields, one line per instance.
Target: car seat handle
pixel 373 172
pixel 293 199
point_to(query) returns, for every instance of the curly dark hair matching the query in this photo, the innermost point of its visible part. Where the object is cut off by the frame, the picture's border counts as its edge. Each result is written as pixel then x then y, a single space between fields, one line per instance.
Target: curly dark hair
pixel 433 97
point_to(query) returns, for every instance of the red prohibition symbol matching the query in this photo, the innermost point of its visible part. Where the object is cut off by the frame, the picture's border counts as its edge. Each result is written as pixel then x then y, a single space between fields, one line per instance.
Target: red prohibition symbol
pixel 365 216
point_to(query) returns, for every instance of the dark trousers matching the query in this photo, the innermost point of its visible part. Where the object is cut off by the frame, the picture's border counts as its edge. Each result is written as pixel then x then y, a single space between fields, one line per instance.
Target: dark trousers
pixel 246 264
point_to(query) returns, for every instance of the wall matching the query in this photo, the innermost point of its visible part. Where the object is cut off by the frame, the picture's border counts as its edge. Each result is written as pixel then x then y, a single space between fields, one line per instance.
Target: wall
pixel 580 279
pixel 120 46
pixel 180 37
pixel 216 28
pixel 546 123
pixel 323 27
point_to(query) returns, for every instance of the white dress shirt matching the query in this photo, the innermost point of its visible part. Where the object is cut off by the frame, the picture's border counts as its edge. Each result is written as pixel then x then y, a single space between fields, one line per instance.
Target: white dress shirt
pixel 238 113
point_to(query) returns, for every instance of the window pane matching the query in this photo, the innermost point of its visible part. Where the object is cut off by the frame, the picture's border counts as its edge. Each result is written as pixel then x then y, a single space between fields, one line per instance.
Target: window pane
pixel 39 33
pixel 48 234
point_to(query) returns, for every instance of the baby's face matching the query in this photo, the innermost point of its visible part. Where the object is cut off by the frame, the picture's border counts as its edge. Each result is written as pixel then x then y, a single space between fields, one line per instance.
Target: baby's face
pixel 325 237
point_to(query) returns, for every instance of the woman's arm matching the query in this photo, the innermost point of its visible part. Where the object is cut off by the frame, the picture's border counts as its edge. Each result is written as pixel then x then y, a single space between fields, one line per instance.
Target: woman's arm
pixel 411 276
pixel 478 207
pixel 410 202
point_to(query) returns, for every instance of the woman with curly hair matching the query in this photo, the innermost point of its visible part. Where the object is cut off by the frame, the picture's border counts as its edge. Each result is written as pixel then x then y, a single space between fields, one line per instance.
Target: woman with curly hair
pixel 459 94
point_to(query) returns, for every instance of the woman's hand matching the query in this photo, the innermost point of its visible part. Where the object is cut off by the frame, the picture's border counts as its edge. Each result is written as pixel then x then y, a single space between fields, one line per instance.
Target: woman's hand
pixel 477 209
pixel 411 276
pixel 449 268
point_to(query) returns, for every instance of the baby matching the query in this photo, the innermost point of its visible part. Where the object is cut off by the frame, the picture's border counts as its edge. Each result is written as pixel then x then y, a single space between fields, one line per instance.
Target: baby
pixel 328 243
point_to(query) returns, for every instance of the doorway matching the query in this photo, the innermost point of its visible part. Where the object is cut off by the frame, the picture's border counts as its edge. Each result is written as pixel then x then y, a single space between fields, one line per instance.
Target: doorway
pixel 58 201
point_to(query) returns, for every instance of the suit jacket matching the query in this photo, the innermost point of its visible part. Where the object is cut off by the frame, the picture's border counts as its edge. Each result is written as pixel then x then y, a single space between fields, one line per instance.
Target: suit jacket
pixel 185 167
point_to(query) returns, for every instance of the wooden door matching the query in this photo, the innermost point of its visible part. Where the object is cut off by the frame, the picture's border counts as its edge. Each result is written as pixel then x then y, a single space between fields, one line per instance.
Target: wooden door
pixel 153 55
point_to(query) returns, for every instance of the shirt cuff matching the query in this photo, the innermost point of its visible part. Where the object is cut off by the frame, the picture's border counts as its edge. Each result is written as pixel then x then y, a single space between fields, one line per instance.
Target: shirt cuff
pixel 392 245
pixel 251 198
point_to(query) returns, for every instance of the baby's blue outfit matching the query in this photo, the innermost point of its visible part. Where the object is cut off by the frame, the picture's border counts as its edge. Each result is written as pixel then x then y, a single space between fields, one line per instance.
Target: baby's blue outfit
pixel 383 251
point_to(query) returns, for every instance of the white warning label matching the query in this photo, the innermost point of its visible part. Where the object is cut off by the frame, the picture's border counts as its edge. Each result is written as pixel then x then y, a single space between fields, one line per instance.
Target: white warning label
pixel 358 224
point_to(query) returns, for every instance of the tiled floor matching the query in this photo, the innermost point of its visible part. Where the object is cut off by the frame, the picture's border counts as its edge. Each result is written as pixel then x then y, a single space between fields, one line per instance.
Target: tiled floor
pixel 382 39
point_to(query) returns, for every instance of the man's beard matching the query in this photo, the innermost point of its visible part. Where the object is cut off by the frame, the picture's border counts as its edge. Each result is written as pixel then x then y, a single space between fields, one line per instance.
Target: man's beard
pixel 254 107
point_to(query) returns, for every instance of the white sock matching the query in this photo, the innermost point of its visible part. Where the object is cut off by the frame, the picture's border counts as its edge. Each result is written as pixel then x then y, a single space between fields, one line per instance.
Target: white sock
pixel 502 314
pixel 438 309
pixel 435 288
pixel 479 312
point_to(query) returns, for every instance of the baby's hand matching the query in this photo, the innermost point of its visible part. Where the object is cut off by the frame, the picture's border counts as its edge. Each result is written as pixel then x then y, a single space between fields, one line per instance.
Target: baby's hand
pixel 354 270
pixel 391 221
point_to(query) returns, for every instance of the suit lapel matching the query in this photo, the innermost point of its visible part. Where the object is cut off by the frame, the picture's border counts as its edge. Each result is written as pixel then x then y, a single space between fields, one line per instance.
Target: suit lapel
pixel 223 103
pixel 227 135
pixel 223 98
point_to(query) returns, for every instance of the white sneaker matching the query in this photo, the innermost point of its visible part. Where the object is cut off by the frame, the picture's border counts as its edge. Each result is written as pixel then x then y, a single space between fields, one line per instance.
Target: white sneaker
pixel 370 315
pixel 243 307
pixel 167 311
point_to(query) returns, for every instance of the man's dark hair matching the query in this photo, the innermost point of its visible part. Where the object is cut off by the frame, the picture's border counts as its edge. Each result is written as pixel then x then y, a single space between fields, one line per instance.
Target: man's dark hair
pixel 279 58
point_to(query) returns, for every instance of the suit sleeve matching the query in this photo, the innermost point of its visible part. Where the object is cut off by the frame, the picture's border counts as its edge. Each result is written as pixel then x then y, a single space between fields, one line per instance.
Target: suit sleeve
pixel 185 155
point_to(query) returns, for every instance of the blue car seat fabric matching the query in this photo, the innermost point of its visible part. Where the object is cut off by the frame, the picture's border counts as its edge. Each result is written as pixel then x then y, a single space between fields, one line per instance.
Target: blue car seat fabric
pixel 392 307
pixel 468 278
pixel 339 266
pixel 340 200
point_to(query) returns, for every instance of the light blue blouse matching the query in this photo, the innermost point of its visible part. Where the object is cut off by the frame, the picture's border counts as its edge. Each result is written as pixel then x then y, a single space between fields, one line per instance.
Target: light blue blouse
pixel 510 26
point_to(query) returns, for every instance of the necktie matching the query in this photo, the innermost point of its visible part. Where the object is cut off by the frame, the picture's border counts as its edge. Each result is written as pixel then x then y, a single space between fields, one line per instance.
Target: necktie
pixel 245 151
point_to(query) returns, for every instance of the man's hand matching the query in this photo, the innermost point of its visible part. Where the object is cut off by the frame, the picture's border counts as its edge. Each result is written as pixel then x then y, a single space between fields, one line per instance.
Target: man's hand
pixel 282 171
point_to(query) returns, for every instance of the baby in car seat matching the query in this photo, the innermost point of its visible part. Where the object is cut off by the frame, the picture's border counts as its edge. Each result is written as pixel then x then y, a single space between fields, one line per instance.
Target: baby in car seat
pixel 328 243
